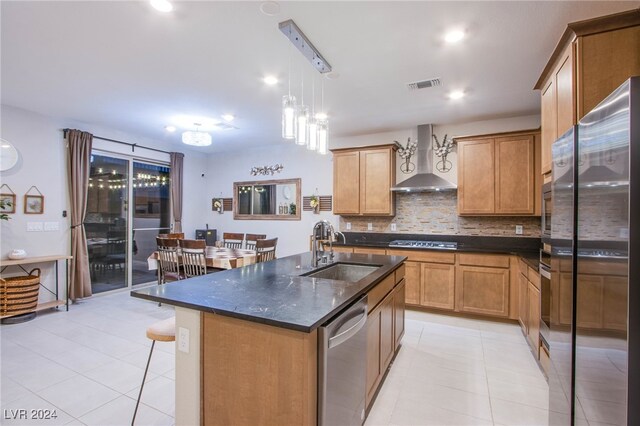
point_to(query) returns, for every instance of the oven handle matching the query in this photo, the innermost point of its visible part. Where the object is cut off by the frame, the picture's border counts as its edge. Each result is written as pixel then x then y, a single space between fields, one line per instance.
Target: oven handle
pixel 545 272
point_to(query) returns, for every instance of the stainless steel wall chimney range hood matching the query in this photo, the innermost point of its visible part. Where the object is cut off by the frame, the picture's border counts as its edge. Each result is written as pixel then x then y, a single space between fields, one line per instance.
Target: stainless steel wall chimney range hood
pixel 425 180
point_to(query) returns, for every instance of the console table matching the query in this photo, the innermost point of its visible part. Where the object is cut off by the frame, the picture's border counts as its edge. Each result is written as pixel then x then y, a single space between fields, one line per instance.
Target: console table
pixel 5 263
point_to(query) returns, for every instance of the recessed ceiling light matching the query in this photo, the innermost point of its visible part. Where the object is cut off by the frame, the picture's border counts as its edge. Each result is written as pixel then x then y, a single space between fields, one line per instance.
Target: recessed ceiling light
pixel 227 117
pixel 456 94
pixel 170 128
pixel 161 5
pixel 270 8
pixel 321 116
pixel 332 75
pixel 270 80
pixel 454 36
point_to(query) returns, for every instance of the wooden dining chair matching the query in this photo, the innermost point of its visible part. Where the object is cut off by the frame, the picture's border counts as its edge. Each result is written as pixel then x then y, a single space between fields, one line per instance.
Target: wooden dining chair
pixel 250 240
pixel 175 236
pixel 168 260
pixel 266 250
pixel 194 259
pixel 232 240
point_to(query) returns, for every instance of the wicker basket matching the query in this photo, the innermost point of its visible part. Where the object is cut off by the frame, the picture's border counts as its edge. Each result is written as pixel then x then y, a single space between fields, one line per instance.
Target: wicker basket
pixel 19 295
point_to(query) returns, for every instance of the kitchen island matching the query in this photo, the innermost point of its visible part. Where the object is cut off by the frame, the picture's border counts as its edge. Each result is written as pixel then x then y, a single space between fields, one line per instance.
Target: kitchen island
pixel 252 354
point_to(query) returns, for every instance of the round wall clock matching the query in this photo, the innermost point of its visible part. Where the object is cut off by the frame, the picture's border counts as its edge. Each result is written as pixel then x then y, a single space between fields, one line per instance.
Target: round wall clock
pixel 8 155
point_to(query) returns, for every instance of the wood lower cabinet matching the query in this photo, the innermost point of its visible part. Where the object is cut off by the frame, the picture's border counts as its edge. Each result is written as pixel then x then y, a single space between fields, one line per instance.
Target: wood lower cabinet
pixel 399 312
pixel 412 282
pixel 438 285
pixel 483 290
pixel 385 328
pixel 533 329
pixel 362 181
pixel 497 174
pixel 369 250
pixel 523 303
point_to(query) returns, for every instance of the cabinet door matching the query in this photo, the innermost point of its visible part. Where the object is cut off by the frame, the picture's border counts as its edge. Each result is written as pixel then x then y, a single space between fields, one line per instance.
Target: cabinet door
pixel 589 301
pixel 438 285
pixel 398 313
pixel 483 290
pixel 534 317
pixel 514 174
pixel 548 122
pixel 565 93
pixel 387 336
pixel 346 183
pixel 615 302
pixel 476 177
pixel 412 283
pixel 375 181
pixel 373 353
pixel 523 303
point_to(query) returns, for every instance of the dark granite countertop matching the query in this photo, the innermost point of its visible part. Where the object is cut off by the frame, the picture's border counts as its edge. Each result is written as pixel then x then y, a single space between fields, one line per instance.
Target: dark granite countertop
pixel 526 247
pixel 273 292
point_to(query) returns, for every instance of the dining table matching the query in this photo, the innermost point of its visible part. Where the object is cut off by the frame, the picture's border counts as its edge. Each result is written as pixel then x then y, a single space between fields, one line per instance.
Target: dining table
pixel 217 258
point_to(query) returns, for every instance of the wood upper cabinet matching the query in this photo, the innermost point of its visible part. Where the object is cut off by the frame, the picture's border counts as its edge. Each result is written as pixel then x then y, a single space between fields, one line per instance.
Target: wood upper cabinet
pixel 482 290
pixel 496 174
pixel 362 181
pixel 592 58
pixel 514 168
pixel 438 285
pixel 346 182
pixel 476 184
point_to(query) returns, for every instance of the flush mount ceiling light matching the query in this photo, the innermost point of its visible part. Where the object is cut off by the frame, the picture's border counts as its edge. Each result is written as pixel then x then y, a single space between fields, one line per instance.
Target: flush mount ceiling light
pixel 161 5
pixel 270 8
pixel 170 129
pixel 270 80
pixel 454 36
pixel 228 117
pixel 456 94
pixel 196 137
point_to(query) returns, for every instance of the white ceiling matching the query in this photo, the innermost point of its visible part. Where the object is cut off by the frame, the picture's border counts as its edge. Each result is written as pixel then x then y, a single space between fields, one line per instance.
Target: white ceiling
pixel 124 65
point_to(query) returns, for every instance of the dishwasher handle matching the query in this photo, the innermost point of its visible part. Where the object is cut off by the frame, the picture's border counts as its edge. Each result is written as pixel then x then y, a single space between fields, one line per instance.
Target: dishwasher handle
pixel 348 333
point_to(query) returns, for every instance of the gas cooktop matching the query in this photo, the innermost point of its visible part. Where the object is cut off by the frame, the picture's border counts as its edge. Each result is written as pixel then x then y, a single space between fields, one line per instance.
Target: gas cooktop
pixel 438 245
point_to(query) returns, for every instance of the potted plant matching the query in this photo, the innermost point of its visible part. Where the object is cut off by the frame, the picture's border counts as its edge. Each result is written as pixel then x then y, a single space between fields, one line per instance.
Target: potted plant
pixel 315 203
pixel 3 205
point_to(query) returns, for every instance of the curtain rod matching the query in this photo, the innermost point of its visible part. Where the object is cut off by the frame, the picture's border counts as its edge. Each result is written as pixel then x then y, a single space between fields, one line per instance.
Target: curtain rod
pixel 132 145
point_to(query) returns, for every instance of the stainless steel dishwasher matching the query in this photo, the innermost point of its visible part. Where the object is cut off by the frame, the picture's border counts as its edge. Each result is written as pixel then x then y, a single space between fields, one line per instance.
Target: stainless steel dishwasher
pixel 342 376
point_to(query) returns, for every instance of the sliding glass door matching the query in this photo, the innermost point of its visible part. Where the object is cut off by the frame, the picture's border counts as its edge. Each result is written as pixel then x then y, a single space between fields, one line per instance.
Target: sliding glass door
pixel 106 223
pixel 151 216
pixel 119 238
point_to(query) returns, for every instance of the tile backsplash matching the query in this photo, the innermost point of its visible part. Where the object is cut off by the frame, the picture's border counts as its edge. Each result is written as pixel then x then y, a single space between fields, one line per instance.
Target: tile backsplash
pixel 436 213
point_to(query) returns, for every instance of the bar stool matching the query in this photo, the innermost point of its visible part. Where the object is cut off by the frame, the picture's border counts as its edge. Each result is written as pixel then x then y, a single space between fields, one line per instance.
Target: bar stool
pixel 161 331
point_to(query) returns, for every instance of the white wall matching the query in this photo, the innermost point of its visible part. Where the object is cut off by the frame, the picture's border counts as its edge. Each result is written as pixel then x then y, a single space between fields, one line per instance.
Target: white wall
pixel 43 162
pixel 315 171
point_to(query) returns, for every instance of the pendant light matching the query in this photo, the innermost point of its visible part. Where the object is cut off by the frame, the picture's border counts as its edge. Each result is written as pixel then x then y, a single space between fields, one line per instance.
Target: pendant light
pixel 312 124
pixel 302 131
pixel 289 122
pixel 323 127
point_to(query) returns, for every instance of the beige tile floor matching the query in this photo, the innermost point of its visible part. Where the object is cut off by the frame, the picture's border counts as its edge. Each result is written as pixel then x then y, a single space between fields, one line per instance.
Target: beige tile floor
pixel 87 365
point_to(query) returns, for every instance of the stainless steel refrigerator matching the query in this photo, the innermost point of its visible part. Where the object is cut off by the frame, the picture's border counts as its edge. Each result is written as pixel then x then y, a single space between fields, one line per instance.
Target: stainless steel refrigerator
pixel 595 298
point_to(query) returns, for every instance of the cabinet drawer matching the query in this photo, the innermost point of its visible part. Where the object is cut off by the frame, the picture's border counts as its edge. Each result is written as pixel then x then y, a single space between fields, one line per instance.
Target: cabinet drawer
pixel 369 250
pixel 400 273
pixel 342 249
pixel 425 256
pixel 486 260
pixel 380 291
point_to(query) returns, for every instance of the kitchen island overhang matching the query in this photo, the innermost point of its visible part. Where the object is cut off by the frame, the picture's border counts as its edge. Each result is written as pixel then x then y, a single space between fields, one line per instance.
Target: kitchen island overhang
pixel 252 355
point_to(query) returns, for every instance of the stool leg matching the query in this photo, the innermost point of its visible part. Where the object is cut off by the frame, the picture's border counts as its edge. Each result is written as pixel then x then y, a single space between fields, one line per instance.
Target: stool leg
pixel 143 380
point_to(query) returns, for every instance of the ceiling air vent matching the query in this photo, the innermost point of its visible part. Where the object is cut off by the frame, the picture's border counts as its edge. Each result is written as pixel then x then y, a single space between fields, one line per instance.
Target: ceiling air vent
pixel 424 84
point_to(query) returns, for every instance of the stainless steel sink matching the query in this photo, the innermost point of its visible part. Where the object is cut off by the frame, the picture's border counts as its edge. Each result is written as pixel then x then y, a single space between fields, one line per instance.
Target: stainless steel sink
pixel 344 272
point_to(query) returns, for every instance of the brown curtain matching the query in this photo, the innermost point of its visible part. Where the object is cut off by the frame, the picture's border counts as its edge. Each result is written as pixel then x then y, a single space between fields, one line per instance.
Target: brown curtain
pixel 79 146
pixel 177 159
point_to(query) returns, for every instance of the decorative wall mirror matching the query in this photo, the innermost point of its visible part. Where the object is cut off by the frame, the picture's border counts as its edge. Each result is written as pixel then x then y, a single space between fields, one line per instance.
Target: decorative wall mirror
pixel 267 200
